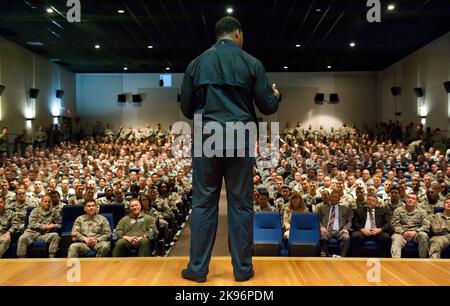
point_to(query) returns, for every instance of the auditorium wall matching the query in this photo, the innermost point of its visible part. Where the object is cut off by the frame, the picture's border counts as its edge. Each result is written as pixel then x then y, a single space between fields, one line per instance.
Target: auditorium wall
pixel 21 70
pixel 97 99
pixel 428 68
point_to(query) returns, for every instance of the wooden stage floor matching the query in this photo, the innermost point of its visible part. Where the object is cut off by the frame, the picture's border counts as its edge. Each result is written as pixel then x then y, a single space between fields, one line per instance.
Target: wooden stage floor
pixel 269 272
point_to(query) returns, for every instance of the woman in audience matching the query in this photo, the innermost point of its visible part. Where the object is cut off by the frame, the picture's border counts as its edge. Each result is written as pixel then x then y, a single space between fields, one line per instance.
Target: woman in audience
pixel 295 204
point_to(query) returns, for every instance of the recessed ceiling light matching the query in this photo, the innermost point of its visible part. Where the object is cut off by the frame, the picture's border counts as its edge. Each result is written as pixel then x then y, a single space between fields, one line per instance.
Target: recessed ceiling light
pixel 50 10
pixel 150 47
pixel 34 43
pixel 391 7
pixel 329 67
pixel 285 67
pixel 352 44
pixel 97 46
pixel 318 10
pixel 298 45
pixel 125 68
pixel 230 10
pixel 167 68
pixel 120 11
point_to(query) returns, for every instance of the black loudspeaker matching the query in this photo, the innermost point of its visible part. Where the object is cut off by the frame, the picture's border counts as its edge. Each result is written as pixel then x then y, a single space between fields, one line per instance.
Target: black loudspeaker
pixel 334 98
pixel 137 98
pixel 447 86
pixel 319 98
pixel 418 91
pixel 398 114
pixel 122 98
pixel 161 82
pixel 395 91
pixel 60 93
pixel 34 93
pixel 2 89
pixel 178 98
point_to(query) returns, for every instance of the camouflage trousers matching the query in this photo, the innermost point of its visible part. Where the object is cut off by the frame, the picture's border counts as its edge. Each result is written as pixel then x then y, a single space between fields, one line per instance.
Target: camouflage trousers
pixel 30 236
pixel 438 244
pixel 398 243
pixel 80 248
pixel 4 245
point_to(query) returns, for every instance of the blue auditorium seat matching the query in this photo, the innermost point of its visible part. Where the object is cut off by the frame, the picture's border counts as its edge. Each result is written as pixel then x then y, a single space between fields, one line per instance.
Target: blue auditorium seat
pixel 117 210
pixel 69 214
pixel 438 210
pixel 267 234
pixel 411 250
pixel 304 235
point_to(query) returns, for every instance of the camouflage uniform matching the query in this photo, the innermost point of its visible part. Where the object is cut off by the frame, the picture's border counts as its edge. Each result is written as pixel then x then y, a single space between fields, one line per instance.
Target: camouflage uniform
pixel 404 220
pixel 390 207
pixel 143 226
pixel 280 203
pixel 37 230
pixel 257 208
pixel 7 223
pixel 429 208
pixel 75 201
pixel 104 200
pixel 440 225
pixel 20 212
pixel 86 227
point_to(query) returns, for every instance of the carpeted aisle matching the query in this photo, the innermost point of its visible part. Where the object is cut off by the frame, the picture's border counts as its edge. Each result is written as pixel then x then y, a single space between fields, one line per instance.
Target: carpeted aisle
pixel 181 247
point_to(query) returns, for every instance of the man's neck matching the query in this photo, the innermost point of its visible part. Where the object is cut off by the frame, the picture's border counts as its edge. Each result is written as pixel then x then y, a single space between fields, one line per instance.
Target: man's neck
pixel 410 208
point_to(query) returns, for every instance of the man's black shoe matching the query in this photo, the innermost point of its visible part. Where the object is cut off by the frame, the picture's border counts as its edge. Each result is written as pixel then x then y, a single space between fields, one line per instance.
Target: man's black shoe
pixel 186 274
pixel 245 278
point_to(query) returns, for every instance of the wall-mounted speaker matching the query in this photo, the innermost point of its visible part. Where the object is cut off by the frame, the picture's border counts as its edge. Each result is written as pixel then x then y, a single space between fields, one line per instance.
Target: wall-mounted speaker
pixel 161 82
pixel 319 98
pixel 34 93
pixel 418 91
pixel 122 98
pixel 395 91
pixel 398 114
pixel 334 98
pixel 60 93
pixel 447 86
pixel 137 98
pixel 178 98
pixel 2 89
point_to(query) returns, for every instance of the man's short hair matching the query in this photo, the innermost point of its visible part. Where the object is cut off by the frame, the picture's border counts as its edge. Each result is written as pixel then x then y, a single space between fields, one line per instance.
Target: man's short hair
pixel 227 25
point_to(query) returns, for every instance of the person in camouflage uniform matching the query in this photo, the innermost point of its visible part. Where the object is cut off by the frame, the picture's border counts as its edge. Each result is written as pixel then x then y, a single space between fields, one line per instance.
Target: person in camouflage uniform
pixel 410 223
pixel 19 207
pixel 440 226
pixel 8 225
pixel 44 221
pixel 393 201
pixel 90 232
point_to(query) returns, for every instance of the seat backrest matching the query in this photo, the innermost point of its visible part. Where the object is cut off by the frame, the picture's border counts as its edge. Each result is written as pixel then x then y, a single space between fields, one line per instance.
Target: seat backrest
pixel 101 195
pixel 266 226
pixel 69 214
pixel 27 221
pixel 438 210
pixel 118 211
pixel 110 218
pixel 305 227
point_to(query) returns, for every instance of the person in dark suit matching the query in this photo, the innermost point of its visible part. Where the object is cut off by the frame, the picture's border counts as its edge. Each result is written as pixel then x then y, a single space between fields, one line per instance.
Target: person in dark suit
pixel 335 222
pixel 222 86
pixel 371 223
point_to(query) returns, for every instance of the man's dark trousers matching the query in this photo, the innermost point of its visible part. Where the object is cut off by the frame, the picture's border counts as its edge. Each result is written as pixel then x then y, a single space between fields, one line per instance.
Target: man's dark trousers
pixel 206 186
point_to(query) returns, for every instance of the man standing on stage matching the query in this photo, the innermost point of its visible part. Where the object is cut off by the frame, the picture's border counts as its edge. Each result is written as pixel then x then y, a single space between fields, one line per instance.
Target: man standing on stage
pixel 220 86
